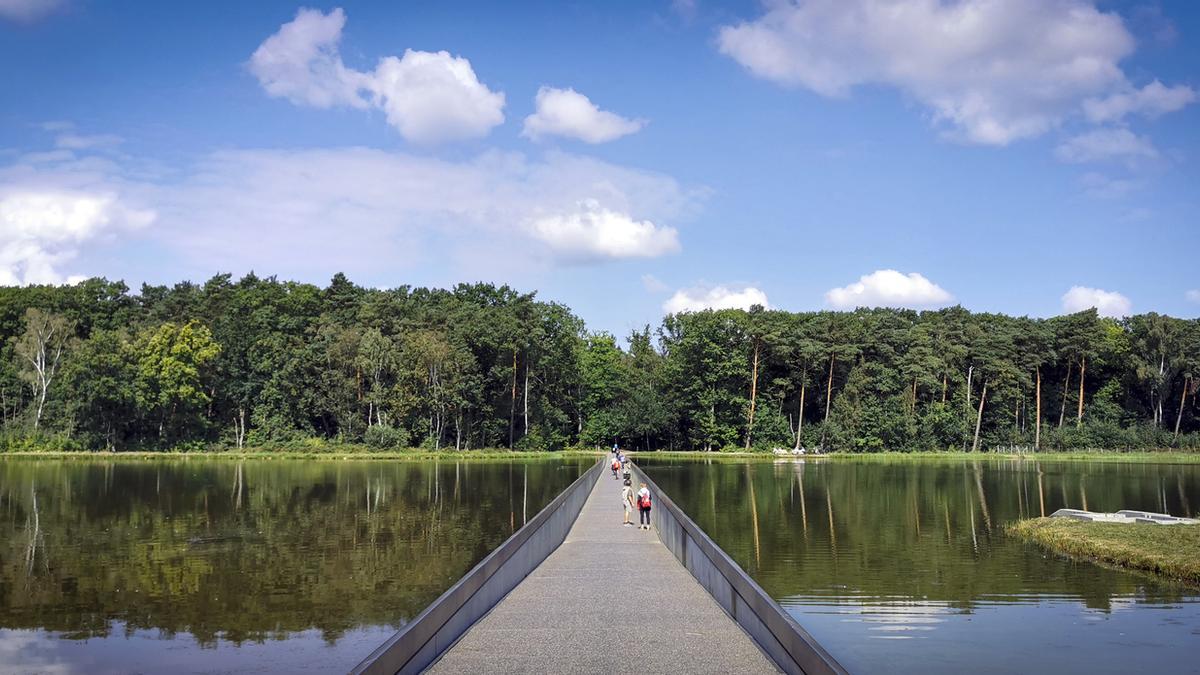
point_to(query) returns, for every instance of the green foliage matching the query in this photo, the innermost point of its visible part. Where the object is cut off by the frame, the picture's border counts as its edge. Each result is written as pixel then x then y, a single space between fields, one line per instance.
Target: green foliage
pixel 262 362
pixel 381 437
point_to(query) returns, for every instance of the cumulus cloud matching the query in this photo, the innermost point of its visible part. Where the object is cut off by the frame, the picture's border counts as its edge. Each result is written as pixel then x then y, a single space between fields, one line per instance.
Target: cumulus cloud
pixel 429 97
pixel 1193 295
pixel 1151 100
pixel 566 112
pixel 28 10
pixel 432 97
pixel 889 288
pixel 994 72
pixel 1103 145
pixel 40 229
pixel 589 231
pixel 1107 303
pixel 715 297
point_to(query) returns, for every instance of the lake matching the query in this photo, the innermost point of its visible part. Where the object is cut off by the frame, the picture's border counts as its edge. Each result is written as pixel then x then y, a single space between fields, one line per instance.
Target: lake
pixel 903 566
pixel 204 564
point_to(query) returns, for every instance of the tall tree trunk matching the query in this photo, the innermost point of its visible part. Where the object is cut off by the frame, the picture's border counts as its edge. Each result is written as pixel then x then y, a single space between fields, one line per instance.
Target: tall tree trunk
pixel 979 417
pixel 1182 402
pixel 1037 434
pixel 512 406
pixel 525 399
pixel 800 415
pixel 1158 393
pixel 1062 414
pixel 1082 379
pixel 945 385
pixel 828 400
pixel 967 402
pixel 915 395
pixel 829 389
pixel 753 395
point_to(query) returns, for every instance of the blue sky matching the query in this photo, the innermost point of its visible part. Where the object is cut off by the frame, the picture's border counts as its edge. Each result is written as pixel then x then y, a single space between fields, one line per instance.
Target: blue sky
pixel 1031 159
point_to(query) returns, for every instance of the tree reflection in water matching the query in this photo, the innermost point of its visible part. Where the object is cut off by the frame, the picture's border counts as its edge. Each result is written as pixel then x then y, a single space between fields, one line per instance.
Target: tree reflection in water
pixel 249 550
pixel 916 550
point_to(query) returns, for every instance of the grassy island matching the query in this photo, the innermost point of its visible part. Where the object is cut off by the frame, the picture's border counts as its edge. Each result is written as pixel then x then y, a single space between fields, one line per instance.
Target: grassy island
pixel 1171 552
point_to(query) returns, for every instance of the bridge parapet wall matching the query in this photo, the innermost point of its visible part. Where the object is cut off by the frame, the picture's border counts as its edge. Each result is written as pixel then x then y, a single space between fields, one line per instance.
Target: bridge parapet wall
pixel 775 631
pixel 421 641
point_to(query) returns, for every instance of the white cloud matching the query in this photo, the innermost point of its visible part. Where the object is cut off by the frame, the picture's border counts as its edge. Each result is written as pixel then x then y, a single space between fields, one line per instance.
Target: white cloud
pixel 56 125
pixel 716 297
pixel 1106 145
pixel 434 97
pixel 1193 295
pixel 308 213
pixel 566 112
pixel 429 97
pixel 889 288
pixel 83 142
pixel 301 62
pixel 1101 186
pixel 653 284
pixel 993 71
pixel 1151 100
pixel 590 231
pixel 1107 303
pixel 359 208
pixel 28 10
pixel 41 229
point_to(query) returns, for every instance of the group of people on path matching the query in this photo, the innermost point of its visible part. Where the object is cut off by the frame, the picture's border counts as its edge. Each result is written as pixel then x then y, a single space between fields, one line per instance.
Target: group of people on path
pixel 643 501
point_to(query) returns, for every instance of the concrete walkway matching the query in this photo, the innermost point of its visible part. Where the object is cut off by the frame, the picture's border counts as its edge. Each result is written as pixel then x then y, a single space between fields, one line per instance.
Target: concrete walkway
pixel 611 599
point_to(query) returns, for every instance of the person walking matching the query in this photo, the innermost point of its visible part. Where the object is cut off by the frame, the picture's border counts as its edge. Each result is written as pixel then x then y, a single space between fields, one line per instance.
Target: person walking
pixel 616 466
pixel 643 503
pixel 627 501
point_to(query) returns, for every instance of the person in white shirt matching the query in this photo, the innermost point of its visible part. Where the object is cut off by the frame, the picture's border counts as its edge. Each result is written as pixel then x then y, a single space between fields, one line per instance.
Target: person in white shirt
pixel 627 502
pixel 643 503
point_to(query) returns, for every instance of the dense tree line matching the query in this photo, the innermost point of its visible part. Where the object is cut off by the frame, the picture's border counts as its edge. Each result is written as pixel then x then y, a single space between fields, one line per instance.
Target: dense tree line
pixel 262 362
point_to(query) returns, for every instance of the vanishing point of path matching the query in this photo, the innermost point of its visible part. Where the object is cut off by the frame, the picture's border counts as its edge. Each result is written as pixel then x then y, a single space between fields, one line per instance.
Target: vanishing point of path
pixel 611 599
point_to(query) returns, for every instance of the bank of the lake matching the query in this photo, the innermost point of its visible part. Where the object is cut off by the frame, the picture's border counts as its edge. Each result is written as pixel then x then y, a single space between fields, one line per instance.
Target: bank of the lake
pixel 1167 551
pixel 355 453
pixel 332 451
pixel 1166 456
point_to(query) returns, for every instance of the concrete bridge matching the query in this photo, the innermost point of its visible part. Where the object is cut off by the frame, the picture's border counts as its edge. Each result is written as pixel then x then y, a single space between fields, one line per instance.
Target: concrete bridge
pixel 574 591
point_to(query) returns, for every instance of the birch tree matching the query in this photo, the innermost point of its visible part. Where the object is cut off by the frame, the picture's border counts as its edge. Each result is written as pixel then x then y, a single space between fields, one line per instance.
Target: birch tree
pixel 40 351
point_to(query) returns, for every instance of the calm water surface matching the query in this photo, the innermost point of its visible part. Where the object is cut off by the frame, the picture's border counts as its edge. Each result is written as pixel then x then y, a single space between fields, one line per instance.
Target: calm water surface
pixel 904 567
pixel 209 565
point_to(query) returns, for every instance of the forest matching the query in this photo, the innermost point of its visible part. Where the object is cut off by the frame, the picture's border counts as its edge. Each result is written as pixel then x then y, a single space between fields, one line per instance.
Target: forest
pixel 269 364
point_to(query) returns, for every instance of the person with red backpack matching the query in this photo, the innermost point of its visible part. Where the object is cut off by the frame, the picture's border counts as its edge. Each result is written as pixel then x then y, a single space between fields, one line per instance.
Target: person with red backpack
pixel 643 503
pixel 616 466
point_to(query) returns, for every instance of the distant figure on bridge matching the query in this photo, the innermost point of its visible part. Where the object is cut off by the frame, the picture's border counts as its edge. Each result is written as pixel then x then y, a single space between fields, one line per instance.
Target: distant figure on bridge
pixel 614 450
pixel 627 501
pixel 616 466
pixel 643 503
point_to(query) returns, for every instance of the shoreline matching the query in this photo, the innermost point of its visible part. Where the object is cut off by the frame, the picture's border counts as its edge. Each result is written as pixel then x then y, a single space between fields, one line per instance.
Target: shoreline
pixel 1165 552
pixel 1165 456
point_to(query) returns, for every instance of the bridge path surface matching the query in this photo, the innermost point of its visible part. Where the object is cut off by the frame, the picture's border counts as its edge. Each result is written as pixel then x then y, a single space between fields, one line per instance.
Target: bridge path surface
pixel 610 599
